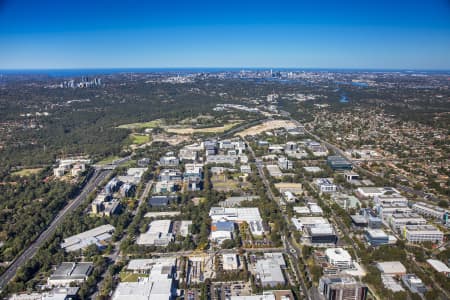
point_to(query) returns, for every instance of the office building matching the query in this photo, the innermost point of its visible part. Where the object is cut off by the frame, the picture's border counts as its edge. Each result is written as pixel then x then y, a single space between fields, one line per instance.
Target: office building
pixel 70 272
pixel 337 162
pixel 159 233
pixel 159 284
pixel 325 185
pixel 342 288
pixel 376 237
pixel 96 236
pixel 391 268
pixel 268 271
pixel 431 211
pixel 339 257
pixel 422 233
pixel 230 261
pixel 414 284
pixel 399 220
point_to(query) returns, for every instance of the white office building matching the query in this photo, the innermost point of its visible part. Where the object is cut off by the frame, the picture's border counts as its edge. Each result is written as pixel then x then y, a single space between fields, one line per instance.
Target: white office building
pixel 422 233
pixel 339 257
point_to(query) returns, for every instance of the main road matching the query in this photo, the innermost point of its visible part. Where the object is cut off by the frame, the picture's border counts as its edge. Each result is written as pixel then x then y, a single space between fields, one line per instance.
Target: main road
pixel 290 250
pixel 97 177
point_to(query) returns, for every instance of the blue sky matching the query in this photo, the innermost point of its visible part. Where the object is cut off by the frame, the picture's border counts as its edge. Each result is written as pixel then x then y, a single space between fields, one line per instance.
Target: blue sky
pixel 381 34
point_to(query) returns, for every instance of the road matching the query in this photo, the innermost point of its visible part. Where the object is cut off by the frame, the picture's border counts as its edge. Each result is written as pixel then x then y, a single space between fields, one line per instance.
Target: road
pixel 96 178
pixel 291 251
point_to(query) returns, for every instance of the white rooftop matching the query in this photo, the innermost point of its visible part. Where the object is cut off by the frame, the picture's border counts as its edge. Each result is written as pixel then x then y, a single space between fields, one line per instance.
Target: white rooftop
pixel 438 265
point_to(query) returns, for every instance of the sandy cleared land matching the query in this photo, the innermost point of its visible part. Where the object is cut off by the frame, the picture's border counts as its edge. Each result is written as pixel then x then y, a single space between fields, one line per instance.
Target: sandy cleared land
pixel 172 140
pixel 190 130
pixel 266 126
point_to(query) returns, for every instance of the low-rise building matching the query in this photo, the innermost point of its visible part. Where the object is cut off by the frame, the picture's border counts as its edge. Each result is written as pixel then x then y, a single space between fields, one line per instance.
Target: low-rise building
pixel 159 284
pixel 422 233
pixel 391 268
pixel 230 261
pixel 96 236
pixel 337 162
pixel 285 164
pixel 431 211
pixel 414 284
pixel 325 185
pixel 169 161
pixel 268 271
pixel 376 237
pixel 399 220
pixel 70 272
pixel 274 171
pixel 339 257
pixel 158 234
pixel 439 266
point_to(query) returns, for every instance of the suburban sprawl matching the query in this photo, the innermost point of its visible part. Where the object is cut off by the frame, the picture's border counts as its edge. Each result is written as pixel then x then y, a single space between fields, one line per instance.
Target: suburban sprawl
pixel 239 185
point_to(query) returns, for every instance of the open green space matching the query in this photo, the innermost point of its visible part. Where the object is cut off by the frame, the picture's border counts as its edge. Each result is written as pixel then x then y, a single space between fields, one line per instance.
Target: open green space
pixel 26 172
pixel 142 125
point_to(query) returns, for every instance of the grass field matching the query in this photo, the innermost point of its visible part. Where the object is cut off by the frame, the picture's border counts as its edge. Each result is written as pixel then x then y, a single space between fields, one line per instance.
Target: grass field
pixel 150 124
pixel 190 130
pixel 26 172
pixel 139 139
pixel 130 277
pixel 108 160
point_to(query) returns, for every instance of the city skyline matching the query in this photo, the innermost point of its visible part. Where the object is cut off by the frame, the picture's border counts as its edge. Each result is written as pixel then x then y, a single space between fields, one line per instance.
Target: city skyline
pixel 294 34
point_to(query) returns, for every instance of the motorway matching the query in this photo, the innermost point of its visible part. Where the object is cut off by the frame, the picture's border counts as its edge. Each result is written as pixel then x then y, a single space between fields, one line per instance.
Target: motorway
pixel 97 177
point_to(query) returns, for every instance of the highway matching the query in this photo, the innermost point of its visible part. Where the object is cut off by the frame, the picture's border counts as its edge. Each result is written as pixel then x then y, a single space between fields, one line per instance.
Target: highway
pixel 97 177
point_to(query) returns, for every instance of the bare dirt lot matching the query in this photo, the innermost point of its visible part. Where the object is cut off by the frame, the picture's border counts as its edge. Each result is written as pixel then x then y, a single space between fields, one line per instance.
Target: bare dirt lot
pixel 266 126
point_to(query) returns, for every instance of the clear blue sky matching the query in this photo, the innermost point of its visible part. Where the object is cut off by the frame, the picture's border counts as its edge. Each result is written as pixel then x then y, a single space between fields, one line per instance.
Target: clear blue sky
pixel 214 33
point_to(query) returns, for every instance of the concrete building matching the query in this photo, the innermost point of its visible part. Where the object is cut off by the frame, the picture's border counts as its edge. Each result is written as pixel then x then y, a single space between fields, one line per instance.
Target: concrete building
pixel 371 192
pixel 98 236
pixel 322 234
pixel 239 214
pixel 163 187
pixel 268 271
pixel 391 268
pixel 399 220
pixel 325 185
pixel 230 262
pixel 346 201
pixel 439 266
pixel 342 288
pixel 376 237
pixel 337 162
pixel 274 171
pixel 295 188
pixel 221 231
pixel 351 176
pixel 285 164
pixel 315 209
pixel 169 161
pixel 158 234
pixel 414 284
pixel 339 257
pixel 289 197
pixel 70 272
pixel 158 285
pixel 222 159
pixel 431 211
pixel 422 233
pixel 236 201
